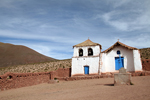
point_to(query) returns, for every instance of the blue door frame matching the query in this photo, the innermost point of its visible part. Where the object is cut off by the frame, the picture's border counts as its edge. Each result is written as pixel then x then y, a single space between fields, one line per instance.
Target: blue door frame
pixel 86 69
pixel 119 62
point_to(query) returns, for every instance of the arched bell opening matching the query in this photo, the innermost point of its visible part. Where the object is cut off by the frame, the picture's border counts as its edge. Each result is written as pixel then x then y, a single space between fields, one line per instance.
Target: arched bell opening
pixel 80 52
pixel 90 52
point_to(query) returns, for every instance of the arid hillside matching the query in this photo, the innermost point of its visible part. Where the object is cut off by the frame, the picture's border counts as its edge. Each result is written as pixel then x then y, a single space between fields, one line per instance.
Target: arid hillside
pixel 11 55
pixel 37 67
pixel 145 53
pixel 21 59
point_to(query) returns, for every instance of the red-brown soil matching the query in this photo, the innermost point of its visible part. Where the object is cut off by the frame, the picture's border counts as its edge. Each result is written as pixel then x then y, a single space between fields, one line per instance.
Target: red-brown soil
pixel 93 89
pixel 146 64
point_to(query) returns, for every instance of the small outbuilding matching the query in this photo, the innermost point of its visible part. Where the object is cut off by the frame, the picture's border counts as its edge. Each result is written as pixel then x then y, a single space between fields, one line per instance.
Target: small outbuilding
pixel 88 58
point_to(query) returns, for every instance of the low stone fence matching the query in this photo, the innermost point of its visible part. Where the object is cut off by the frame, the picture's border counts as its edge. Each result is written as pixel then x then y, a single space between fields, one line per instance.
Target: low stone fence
pixel 17 80
pixel 61 72
pixel 146 64
pixel 84 77
pixel 146 73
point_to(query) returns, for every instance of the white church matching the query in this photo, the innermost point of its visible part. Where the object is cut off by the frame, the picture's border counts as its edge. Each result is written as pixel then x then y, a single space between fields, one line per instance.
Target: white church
pixel 88 59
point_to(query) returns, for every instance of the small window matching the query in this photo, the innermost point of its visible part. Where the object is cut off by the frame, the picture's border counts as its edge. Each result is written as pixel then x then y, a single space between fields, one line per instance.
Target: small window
pixel 118 52
pixel 80 52
pixel 90 52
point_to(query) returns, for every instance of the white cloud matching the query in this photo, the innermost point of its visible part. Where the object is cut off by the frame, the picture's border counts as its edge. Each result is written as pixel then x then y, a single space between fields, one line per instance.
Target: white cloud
pixel 121 25
pixel 60 25
pixel 139 41
pixel 54 50
pixel 128 22
pixel 118 3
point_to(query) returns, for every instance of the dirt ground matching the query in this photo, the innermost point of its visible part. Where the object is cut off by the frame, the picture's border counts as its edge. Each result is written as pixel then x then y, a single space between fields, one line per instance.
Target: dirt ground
pixel 93 89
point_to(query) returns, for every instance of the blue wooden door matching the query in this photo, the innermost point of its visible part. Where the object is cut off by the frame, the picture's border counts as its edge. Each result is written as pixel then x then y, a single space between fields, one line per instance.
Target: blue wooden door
pixel 86 70
pixel 119 62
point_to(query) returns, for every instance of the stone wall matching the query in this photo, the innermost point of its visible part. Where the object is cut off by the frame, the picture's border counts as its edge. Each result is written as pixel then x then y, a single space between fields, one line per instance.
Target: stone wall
pixel 17 80
pixel 61 72
pixel 146 64
pixel 146 73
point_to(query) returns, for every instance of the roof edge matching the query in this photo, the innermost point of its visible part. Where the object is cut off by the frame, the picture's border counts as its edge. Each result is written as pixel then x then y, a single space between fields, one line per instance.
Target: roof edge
pixel 121 44
pixel 88 42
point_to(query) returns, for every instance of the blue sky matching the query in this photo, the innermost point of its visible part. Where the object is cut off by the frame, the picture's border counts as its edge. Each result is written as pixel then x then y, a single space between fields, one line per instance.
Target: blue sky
pixel 52 27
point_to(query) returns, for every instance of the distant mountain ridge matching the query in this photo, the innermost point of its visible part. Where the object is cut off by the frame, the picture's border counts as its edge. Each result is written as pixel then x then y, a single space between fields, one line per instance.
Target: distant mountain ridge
pixel 11 55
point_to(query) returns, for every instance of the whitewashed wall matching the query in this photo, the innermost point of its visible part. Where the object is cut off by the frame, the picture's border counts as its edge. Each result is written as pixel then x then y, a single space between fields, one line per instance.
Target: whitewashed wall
pixel 102 63
pixel 105 62
pixel 137 60
pixel 96 51
pixel 108 60
pixel 78 63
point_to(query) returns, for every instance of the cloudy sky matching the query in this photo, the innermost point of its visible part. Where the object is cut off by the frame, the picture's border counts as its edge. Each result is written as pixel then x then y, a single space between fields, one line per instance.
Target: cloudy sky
pixel 52 27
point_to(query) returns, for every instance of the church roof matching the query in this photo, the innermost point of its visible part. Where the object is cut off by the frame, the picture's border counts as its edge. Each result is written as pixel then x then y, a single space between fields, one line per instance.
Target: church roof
pixel 117 44
pixel 88 42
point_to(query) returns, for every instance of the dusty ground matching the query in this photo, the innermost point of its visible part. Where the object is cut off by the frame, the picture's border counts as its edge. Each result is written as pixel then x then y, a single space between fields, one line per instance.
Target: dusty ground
pixel 94 89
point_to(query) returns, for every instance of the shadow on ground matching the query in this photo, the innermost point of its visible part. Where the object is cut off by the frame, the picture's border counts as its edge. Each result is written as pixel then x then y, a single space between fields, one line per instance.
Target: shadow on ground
pixel 106 84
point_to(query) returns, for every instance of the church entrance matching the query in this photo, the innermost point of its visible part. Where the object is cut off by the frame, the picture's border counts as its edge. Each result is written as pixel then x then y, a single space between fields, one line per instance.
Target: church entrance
pixel 119 62
pixel 86 69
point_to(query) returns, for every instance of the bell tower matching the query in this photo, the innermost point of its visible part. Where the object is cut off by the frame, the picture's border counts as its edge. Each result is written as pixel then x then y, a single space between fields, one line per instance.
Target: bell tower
pixel 85 58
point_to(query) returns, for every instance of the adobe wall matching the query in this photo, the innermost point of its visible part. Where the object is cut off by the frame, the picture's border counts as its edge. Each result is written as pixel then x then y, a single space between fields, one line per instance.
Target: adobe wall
pixel 137 60
pixel 96 51
pixel 61 72
pixel 146 64
pixel 85 60
pixel 133 74
pixel 108 64
pixel 17 80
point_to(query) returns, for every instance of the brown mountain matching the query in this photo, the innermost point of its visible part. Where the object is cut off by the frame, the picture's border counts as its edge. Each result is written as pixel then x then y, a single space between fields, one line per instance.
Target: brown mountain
pixel 11 55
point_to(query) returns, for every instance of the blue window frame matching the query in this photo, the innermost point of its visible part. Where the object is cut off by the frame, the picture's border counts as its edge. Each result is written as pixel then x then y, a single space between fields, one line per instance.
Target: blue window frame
pixel 118 52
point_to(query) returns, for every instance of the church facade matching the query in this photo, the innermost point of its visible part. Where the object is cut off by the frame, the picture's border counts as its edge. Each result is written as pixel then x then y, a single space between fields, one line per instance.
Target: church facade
pixel 88 58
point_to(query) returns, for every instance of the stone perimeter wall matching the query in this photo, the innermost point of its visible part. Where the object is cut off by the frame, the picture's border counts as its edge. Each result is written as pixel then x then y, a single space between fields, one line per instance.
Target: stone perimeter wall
pixel 146 64
pixel 17 80
pixel 133 74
